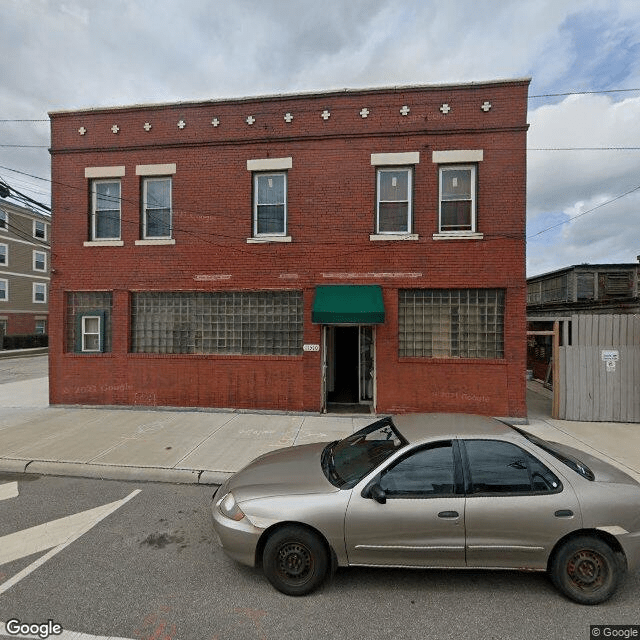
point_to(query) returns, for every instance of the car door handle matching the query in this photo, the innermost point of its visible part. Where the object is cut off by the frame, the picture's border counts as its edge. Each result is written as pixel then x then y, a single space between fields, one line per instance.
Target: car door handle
pixel 563 513
pixel 448 514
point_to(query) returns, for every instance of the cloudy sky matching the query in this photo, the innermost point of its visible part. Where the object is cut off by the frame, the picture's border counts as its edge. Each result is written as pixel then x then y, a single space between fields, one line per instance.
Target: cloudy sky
pixel 584 148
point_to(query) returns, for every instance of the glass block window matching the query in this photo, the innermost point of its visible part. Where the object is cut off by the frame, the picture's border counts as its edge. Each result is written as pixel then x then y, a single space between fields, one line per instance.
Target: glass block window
pixel 222 322
pixel 81 306
pixel 451 323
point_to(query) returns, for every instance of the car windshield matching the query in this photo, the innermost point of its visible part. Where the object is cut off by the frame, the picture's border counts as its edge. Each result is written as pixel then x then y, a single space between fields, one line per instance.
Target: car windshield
pixel 557 452
pixel 345 462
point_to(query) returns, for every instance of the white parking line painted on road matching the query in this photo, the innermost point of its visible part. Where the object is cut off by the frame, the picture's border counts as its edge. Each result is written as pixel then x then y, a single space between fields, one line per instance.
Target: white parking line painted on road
pixel 8 490
pixel 57 534
pixel 65 635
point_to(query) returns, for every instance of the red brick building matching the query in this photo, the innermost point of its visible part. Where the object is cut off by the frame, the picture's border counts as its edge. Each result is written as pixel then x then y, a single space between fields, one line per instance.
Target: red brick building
pixel 362 248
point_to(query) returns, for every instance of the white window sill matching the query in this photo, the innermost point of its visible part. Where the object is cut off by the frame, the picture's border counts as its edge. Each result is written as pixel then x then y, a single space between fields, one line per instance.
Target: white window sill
pixel 374 237
pixel 104 243
pixel 457 235
pixel 263 239
pixel 155 242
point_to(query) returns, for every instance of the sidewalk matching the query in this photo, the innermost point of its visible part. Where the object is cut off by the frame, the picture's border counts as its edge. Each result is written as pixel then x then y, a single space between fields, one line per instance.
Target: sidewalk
pixel 206 446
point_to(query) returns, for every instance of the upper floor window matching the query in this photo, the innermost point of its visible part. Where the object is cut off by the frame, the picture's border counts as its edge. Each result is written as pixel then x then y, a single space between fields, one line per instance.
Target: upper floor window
pixel 4 219
pixel 156 208
pixel 39 229
pixel 457 199
pixel 39 261
pixel 39 292
pixel 4 255
pixel 4 290
pixel 105 210
pixel 270 204
pixel 394 205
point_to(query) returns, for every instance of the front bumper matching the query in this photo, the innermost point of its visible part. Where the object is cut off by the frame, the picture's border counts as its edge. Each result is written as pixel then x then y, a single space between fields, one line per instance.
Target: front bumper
pixel 239 539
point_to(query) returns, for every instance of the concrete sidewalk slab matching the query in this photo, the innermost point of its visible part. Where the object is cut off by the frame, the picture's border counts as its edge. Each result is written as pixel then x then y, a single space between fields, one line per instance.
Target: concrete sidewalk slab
pixel 29 394
pixel 207 446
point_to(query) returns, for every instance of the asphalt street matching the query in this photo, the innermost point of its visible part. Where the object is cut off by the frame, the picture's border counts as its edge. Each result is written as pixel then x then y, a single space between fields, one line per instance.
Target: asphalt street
pixel 152 570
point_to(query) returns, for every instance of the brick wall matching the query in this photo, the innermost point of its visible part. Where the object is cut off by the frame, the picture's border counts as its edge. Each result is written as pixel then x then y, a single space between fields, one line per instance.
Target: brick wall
pixel 331 214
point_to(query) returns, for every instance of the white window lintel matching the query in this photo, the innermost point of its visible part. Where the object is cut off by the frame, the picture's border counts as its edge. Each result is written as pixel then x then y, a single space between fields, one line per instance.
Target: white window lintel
pixel 270 164
pixel 392 159
pixel 457 156
pixel 156 169
pixel 104 172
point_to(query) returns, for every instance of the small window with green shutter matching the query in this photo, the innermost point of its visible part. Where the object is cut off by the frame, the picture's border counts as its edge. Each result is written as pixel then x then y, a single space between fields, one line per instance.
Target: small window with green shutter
pixel 90 332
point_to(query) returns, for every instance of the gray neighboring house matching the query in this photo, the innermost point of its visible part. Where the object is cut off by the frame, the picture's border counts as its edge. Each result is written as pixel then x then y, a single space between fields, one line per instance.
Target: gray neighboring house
pixel 25 259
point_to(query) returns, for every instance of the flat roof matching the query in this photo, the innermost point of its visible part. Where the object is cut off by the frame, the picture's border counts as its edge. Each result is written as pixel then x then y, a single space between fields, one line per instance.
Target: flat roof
pixel 294 95
pixel 612 265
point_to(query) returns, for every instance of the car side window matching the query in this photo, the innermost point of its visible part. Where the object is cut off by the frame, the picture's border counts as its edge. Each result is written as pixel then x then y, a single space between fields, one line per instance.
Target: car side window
pixel 498 467
pixel 423 473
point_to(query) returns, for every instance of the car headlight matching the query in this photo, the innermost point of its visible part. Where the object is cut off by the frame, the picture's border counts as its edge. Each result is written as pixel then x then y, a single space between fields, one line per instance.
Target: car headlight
pixel 229 508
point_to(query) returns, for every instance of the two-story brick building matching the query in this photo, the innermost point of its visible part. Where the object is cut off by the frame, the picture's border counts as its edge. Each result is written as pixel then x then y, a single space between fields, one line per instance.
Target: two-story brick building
pixel 298 252
pixel 24 270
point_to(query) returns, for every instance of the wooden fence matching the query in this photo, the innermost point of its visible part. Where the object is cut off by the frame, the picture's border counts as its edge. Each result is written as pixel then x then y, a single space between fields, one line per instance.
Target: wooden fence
pixel 599 377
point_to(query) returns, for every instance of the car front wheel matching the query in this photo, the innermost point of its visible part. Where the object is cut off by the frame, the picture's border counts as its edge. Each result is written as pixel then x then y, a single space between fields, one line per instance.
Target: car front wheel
pixel 586 570
pixel 295 560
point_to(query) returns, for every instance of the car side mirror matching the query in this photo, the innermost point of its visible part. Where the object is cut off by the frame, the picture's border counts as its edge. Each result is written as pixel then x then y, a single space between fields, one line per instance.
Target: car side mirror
pixel 378 494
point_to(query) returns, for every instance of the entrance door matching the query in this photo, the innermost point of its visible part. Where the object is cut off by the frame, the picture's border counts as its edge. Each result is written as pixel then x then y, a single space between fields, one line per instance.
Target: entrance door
pixel 348 368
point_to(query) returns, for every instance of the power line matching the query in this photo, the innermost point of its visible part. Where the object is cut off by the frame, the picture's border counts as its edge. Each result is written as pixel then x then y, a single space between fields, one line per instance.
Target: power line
pixel 584 213
pixel 581 93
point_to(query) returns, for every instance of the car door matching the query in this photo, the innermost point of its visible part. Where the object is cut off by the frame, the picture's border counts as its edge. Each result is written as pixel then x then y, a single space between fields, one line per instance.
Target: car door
pixel 411 513
pixel 516 508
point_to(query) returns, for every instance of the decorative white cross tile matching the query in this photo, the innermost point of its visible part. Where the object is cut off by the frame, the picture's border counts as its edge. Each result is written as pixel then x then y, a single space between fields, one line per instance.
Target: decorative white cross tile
pixel 147 126
pixel 82 131
pixel 325 115
pixel 445 108
pixel 486 105
pixel 250 120
pixel 364 112
pixel 215 122
pixel 115 128
pixel 405 110
pixel 181 124
pixel 288 117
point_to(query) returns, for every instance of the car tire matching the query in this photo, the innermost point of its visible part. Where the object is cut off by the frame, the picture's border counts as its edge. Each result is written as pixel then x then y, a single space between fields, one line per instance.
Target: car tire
pixel 295 560
pixel 587 570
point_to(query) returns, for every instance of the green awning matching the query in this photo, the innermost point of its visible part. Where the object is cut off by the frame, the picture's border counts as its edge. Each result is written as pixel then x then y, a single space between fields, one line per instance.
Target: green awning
pixel 348 304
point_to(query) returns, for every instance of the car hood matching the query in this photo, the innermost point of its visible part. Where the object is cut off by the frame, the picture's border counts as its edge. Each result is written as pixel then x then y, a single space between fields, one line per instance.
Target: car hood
pixel 603 471
pixel 294 470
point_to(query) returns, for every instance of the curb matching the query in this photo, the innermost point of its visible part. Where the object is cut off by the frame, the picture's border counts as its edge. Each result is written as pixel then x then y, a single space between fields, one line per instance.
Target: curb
pixel 113 472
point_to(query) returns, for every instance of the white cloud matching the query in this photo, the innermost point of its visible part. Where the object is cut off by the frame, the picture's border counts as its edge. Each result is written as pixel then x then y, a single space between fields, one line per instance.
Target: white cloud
pixel 77 53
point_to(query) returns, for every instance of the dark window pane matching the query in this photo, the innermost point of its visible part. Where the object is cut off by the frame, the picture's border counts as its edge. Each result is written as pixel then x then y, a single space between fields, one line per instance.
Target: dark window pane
pixel 456 216
pixel 270 219
pixel 426 472
pixel 158 223
pixel 107 224
pixel 392 216
pixel 502 467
